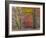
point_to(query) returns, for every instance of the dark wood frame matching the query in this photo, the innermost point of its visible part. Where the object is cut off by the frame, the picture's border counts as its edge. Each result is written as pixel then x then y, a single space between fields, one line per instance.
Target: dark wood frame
pixel 7 18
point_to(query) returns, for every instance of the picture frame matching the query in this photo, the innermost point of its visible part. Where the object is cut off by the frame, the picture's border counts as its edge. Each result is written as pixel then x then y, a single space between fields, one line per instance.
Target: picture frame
pixel 9 29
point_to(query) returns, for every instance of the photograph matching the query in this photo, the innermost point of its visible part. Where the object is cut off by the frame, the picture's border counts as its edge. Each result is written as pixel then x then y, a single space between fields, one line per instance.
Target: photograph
pixel 25 18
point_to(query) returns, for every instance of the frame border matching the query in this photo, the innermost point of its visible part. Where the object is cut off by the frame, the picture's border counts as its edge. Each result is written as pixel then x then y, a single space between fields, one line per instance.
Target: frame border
pixel 7 18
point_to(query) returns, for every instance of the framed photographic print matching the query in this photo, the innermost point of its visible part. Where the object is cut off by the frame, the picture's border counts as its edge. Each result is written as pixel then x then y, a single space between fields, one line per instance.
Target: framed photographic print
pixel 24 18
